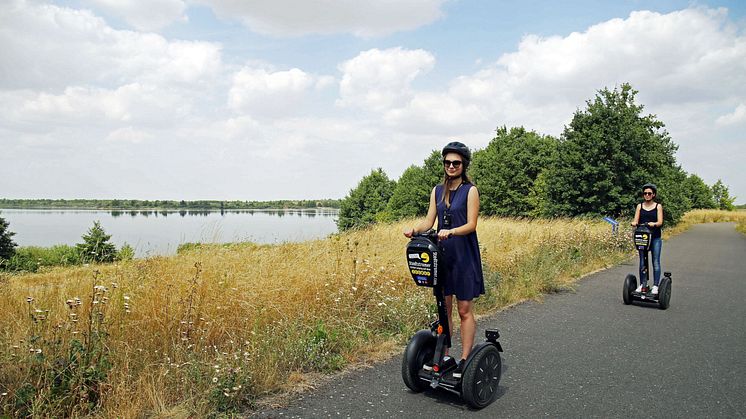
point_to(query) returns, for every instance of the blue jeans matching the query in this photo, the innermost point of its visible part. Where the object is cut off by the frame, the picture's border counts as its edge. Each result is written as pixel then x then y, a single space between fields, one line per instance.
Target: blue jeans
pixel 655 249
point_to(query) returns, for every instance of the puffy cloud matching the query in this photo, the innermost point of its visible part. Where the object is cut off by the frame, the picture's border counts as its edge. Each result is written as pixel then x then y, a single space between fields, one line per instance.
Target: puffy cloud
pixel 300 17
pixel 51 47
pixel 259 91
pixel 379 79
pixel 135 103
pixel 149 15
pixel 736 117
pixel 689 56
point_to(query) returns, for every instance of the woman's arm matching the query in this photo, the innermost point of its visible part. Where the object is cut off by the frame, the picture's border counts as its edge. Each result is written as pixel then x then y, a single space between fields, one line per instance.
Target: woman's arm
pixel 660 216
pixel 429 221
pixel 472 208
pixel 637 215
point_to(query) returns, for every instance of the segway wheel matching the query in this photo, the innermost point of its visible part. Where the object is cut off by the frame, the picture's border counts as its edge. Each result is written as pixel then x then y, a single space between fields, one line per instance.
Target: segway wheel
pixel 481 377
pixel 630 283
pixel 664 297
pixel 420 350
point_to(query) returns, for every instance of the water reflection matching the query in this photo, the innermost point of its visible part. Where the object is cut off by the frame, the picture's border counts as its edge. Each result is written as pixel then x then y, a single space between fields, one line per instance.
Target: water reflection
pixel 153 232
pixel 309 213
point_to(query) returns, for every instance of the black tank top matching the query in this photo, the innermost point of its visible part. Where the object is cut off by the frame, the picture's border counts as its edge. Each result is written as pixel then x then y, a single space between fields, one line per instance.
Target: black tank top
pixel 650 216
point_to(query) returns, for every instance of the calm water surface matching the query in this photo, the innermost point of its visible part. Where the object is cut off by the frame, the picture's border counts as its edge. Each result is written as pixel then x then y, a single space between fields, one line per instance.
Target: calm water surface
pixel 160 233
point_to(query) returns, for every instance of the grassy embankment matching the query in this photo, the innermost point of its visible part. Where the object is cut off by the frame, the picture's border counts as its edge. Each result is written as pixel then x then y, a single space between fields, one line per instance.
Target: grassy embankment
pixel 710 216
pixel 216 328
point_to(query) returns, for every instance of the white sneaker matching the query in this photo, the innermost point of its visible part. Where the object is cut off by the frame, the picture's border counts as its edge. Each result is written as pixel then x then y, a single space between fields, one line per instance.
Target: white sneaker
pixel 639 288
pixel 655 289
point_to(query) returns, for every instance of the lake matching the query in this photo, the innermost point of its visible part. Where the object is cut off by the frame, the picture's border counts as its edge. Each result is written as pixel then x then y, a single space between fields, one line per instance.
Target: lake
pixel 161 232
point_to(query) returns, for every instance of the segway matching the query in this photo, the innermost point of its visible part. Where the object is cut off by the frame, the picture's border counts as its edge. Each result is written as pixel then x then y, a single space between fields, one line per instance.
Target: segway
pixel 423 364
pixel 642 238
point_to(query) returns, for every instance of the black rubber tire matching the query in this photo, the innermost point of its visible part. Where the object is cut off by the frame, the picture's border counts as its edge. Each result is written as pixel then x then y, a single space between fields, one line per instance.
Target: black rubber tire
pixel 420 349
pixel 481 378
pixel 664 290
pixel 630 283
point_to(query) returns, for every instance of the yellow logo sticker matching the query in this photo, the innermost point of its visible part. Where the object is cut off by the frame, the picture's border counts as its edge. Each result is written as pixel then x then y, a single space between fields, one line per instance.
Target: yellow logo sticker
pixel 425 257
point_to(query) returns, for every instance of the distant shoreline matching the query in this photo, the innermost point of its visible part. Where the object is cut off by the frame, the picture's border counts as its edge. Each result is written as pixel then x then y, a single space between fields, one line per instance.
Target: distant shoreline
pixel 166 205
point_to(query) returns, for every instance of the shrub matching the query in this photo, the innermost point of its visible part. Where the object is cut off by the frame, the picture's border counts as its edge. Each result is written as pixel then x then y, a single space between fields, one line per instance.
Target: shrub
pixel 96 246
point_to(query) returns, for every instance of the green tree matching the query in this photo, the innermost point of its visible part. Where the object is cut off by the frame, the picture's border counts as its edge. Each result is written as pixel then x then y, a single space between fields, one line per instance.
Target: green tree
pixel 721 196
pixel 506 171
pixel 606 154
pixel 96 246
pixel 7 246
pixel 411 196
pixel 672 194
pixel 367 202
pixel 699 194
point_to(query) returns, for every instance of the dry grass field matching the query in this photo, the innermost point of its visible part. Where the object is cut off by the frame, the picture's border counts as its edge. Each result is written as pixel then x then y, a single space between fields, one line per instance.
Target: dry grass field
pixel 218 328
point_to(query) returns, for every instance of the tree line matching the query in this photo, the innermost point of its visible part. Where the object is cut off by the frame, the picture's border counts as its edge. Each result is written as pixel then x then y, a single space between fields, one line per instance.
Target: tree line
pixel 136 204
pixel 596 167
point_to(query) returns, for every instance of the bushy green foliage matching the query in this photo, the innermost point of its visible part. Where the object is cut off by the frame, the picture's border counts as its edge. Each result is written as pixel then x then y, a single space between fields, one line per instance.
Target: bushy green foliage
pixel 31 258
pixel 699 194
pixel 673 195
pixel 7 245
pixel 506 172
pixel 411 196
pixel 366 203
pixel 606 154
pixel 721 196
pixel 126 252
pixel 96 246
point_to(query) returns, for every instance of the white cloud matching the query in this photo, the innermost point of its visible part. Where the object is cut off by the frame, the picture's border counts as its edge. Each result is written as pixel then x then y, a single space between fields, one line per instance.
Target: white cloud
pixel 85 107
pixel 129 134
pixel 689 56
pixel 379 79
pixel 300 17
pixel 150 15
pixel 736 117
pixel 259 91
pixel 51 47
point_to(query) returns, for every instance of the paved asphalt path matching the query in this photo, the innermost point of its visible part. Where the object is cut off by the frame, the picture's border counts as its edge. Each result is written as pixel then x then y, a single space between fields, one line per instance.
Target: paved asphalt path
pixel 585 354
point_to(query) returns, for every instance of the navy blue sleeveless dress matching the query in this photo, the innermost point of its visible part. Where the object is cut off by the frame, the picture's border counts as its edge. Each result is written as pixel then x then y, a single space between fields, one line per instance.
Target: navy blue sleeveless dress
pixel 462 264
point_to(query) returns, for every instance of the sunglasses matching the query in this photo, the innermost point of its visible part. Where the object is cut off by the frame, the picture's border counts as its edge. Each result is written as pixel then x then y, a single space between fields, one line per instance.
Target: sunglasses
pixel 455 163
pixel 647 193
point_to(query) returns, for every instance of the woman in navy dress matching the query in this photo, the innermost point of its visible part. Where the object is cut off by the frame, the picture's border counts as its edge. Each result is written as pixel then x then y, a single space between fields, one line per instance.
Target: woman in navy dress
pixel 455 205
pixel 650 213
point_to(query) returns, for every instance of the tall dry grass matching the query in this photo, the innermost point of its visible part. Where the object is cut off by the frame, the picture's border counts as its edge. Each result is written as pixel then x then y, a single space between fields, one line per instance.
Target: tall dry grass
pixel 711 216
pixel 217 328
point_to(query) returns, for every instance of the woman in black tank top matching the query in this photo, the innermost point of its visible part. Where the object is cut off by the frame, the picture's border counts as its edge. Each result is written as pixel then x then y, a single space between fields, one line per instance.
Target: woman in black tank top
pixel 650 213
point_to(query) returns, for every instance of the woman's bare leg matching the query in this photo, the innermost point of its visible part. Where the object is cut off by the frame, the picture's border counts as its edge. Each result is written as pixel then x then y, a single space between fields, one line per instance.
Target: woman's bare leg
pixel 468 327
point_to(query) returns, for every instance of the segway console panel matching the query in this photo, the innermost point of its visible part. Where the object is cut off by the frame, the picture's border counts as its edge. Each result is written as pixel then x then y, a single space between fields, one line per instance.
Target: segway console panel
pixel 422 259
pixel 643 237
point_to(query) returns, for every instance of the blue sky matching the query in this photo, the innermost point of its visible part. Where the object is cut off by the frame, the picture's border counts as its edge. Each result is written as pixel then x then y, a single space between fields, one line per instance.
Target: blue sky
pixel 294 99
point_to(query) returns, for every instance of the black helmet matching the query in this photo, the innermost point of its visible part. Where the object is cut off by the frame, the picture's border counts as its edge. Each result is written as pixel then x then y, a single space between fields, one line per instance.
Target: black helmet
pixel 650 186
pixel 460 149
